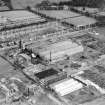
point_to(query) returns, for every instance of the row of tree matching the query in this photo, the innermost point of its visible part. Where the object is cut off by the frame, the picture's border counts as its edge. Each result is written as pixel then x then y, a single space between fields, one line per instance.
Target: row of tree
pixel 46 4
pixel 89 3
pixel 7 3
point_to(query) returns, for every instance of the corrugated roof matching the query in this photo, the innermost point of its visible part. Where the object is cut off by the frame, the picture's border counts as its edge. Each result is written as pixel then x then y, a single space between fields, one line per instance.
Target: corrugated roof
pixel 67 86
pixel 60 14
pixel 80 21
pixel 18 14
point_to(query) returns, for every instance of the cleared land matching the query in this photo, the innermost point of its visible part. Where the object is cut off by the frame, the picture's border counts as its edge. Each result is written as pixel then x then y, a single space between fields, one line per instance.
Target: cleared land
pixel 18 4
pixel 4 66
pixel 99 101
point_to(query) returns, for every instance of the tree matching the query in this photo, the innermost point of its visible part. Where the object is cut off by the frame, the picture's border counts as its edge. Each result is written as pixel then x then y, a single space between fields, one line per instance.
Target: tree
pixel 8 3
pixel 89 3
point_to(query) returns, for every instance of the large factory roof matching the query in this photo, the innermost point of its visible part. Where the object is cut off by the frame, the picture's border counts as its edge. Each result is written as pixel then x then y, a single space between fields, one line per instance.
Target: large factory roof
pixel 60 14
pixel 18 14
pixel 60 49
pixel 81 21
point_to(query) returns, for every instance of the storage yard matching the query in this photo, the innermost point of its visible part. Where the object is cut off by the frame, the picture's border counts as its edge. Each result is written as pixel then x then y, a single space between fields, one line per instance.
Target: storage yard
pixel 66 86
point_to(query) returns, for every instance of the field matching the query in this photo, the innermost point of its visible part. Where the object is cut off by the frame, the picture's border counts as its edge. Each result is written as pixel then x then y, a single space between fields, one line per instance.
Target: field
pixel 60 14
pixel 99 101
pixel 94 77
pixel 7 70
pixel 86 94
pixel 101 31
pixel 43 99
pixel 4 66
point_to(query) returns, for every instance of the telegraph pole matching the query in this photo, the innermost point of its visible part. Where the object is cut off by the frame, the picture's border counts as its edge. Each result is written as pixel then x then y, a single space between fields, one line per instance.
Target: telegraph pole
pixel 50 57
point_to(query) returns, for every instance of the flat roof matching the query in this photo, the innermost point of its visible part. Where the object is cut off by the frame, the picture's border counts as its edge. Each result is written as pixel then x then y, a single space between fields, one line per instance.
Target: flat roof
pixel 46 73
pixel 81 21
pixel 60 14
pixel 69 17
pixel 4 66
pixel 18 14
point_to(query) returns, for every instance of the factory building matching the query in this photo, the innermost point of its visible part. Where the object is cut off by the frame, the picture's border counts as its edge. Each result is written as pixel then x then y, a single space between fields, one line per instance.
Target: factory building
pixel 18 17
pixel 29 27
pixel 58 51
pixel 66 86
pixel 23 59
pixel 81 22
pixel 76 20
pixel 50 76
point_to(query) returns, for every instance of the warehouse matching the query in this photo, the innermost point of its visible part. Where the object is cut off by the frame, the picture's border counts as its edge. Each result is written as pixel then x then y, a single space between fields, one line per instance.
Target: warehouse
pixel 66 86
pixel 58 50
pixel 74 19
pixel 46 73
pixel 82 22
pixel 50 76
pixel 19 15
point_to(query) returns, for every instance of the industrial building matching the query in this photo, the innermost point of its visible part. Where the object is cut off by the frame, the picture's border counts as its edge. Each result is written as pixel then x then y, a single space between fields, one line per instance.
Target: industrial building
pixel 50 76
pixel 46 73
pixel 66 86
pixel 60 14
pixel 28 28
pixel 76 20
pixel 19 16
pixel 58 51
pixel 82 22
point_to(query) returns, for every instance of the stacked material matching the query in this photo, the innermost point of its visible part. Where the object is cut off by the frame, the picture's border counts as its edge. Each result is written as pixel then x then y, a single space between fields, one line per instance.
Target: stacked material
pixel 60 49
pixel 67 86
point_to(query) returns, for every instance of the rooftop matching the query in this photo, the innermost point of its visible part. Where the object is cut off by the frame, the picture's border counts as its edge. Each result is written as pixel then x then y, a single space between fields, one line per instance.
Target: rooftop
pixel 81 21
pixel 69 17
pixel 60 14
pixel 18 14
